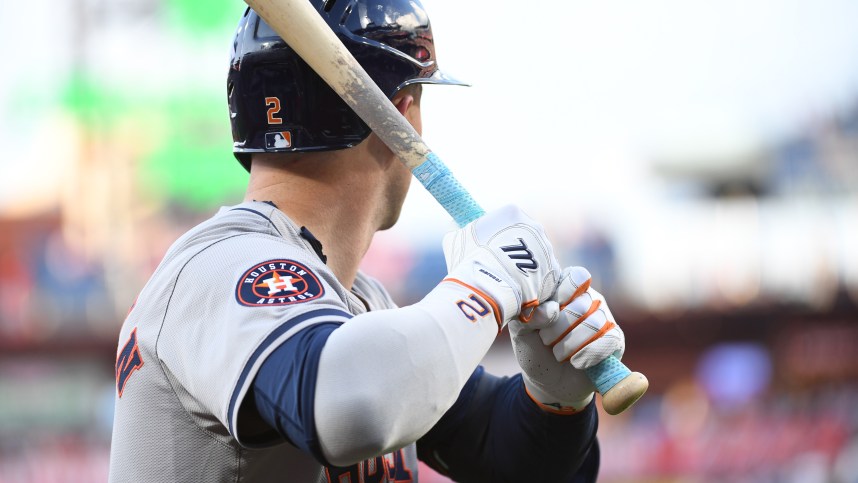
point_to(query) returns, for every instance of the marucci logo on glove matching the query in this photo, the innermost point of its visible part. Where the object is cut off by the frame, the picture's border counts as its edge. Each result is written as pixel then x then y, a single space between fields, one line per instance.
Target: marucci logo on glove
pixel 278 282
pixel 521 252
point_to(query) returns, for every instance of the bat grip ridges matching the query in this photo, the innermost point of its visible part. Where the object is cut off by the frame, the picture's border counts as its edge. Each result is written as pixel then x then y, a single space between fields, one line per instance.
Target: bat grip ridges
pixel 607 374
pixel 440 183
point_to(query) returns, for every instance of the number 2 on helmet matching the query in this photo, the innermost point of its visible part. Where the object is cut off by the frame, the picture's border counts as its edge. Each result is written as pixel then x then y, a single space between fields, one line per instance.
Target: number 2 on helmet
pixel 273 104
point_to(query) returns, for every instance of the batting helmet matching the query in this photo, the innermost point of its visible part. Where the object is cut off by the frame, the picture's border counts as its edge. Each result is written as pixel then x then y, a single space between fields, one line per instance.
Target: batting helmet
pixel 277 103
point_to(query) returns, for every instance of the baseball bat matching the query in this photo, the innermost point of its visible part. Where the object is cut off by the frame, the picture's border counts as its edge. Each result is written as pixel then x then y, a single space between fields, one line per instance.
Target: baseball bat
pixel 298 23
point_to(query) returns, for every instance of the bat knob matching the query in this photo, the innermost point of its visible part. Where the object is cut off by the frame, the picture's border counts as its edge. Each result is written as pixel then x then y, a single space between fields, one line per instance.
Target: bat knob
pixel 624 393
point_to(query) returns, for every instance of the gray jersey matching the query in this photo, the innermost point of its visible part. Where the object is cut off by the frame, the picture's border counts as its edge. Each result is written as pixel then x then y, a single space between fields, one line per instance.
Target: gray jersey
pixel 227 294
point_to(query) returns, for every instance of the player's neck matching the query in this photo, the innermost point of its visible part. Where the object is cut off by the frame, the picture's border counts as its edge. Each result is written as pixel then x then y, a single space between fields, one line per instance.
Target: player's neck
pixel 340 211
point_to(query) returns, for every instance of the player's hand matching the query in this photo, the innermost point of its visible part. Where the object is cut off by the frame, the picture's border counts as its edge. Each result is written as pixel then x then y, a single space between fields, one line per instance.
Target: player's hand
pixel 570 332
pixel 577 324
pixel 506 255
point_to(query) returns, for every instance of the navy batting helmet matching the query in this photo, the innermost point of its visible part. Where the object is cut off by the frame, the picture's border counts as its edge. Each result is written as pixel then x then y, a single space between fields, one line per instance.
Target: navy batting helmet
pixel 277 103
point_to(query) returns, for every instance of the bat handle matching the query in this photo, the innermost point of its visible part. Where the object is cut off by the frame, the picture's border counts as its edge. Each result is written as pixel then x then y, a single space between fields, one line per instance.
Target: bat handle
pixel 440 183
pixel 619 386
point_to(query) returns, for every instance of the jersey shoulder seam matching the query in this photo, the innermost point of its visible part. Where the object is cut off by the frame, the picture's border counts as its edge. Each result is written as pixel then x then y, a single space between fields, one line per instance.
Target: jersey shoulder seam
pixel 270 222
pixel 205 431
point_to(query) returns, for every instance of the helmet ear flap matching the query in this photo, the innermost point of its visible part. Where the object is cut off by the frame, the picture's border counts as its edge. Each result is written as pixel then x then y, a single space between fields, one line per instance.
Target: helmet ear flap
pixel 243 159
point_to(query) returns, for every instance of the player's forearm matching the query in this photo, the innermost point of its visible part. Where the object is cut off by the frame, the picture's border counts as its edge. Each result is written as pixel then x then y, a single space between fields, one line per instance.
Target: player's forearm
pixel 386 377
pixel 496 433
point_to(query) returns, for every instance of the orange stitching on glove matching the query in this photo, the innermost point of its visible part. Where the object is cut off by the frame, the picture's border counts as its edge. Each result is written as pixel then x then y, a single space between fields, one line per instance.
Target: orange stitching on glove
pixel 605 328
pixel 527 305
pixel 593 307
pixel 578 292
pixel 551 409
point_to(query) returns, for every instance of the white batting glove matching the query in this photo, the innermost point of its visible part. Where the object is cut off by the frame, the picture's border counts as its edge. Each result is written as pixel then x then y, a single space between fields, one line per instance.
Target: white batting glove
pixel 575 326
pixel 506 255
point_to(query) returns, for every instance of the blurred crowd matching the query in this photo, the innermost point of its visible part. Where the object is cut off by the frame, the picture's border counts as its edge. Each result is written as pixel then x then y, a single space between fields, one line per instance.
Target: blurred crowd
pixel 783 437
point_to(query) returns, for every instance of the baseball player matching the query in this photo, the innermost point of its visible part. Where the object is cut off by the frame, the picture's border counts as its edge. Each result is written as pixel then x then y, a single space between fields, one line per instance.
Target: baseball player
pixel 258 352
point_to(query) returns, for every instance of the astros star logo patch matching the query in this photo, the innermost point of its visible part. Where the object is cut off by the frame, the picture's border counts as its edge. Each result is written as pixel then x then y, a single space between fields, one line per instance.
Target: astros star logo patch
pixel 278 282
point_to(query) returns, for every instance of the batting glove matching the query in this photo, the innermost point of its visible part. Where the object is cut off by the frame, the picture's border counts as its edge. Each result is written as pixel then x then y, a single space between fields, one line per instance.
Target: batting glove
pixel 567 334
pixel 506 256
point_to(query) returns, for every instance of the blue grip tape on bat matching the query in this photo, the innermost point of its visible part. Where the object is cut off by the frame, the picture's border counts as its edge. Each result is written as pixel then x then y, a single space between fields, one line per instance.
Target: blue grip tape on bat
pixel 619 386
pixel 440 183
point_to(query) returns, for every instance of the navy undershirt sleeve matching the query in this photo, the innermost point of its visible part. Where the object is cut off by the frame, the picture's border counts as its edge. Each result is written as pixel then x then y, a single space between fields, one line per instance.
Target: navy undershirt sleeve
pixel 285 387
pixel 496 433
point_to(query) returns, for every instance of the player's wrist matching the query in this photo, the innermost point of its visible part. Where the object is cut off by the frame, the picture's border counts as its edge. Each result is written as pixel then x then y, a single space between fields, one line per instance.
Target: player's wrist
pixel 481 276
pixel 547 402
pixel 517 251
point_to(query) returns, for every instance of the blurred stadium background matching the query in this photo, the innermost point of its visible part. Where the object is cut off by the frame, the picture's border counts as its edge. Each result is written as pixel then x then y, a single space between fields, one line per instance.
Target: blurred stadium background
pixel 700 158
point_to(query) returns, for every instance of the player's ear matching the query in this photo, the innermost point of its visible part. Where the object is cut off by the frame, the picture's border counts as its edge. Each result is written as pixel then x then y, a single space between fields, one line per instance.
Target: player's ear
pixel 407 102
pixel 403 102
pixel 407 97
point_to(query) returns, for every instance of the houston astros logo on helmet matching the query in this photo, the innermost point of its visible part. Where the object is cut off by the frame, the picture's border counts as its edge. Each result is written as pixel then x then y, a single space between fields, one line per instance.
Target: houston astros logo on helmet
pixel 277 282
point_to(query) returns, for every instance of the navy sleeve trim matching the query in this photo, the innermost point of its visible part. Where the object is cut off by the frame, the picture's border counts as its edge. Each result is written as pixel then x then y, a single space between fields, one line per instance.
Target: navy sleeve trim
pixel 271 342
pixel 284 389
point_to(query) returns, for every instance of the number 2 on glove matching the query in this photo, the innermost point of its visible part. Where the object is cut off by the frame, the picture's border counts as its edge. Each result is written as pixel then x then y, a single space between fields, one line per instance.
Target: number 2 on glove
pixel 619 386
pixel 473 308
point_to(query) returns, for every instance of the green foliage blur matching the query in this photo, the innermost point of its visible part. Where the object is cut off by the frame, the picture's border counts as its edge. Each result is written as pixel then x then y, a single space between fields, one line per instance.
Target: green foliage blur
pixel 185 156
